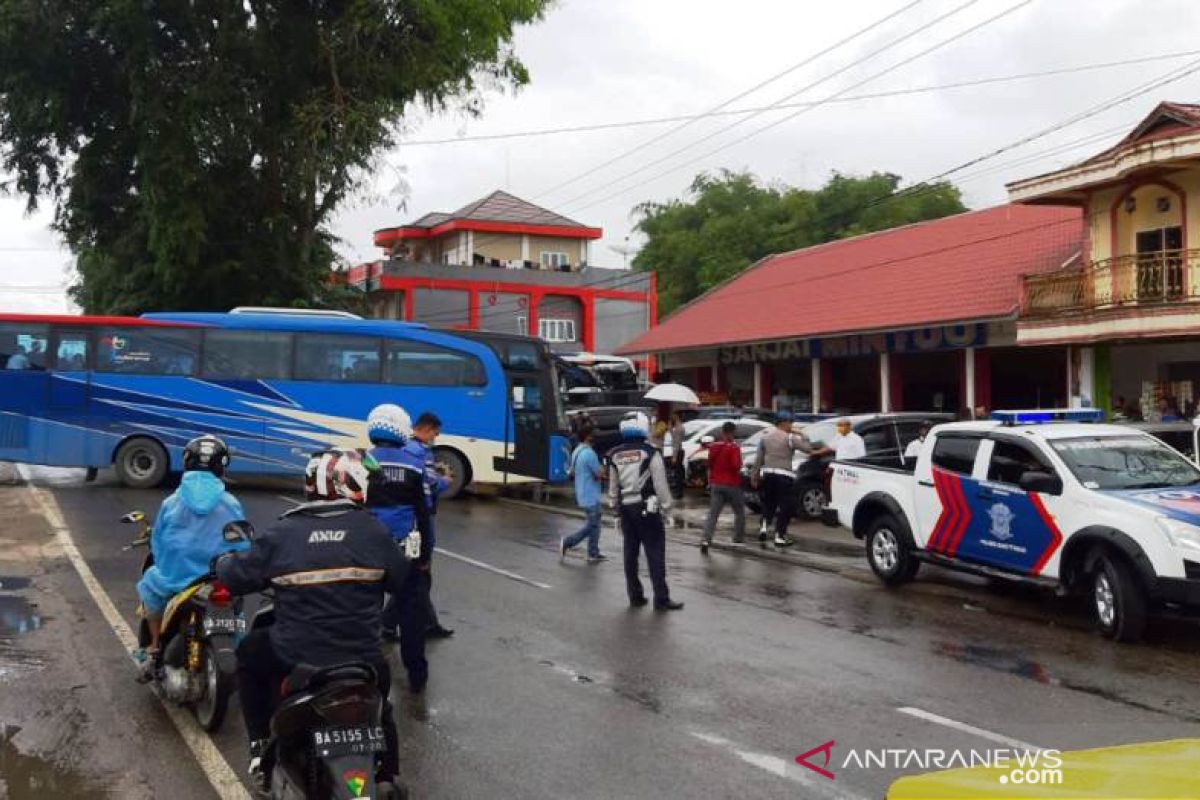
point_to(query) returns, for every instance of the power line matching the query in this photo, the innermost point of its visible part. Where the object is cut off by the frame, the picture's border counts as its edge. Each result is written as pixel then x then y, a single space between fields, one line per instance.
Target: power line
pixel 803 63
pixel 995 79
pixel 793 115
pixel 846 68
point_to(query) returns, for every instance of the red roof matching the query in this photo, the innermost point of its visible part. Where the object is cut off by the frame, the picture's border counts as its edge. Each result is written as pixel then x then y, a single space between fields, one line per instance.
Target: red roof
pixel 957 269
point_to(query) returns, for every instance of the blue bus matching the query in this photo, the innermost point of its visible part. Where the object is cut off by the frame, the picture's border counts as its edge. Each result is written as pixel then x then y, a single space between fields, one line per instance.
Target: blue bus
pixel 129 392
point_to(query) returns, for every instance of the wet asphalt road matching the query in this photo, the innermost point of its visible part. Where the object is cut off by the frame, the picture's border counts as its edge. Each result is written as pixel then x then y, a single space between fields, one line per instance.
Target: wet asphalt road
pixel 554 688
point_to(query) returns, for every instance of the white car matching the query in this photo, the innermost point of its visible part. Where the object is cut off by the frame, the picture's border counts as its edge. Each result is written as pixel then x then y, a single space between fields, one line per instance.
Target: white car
pixel 1096 509
pixel 696 430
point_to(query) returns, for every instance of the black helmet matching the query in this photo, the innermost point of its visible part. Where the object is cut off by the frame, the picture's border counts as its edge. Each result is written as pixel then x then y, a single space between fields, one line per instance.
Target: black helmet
pixel 206 453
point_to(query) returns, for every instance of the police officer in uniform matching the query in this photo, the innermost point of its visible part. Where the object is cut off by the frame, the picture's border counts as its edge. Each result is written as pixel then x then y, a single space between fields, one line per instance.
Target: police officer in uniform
pixel 639 491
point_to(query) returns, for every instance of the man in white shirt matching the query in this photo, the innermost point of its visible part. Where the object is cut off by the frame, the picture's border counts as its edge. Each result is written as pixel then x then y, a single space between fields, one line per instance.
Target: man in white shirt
pixel 913 450
pixel 847 444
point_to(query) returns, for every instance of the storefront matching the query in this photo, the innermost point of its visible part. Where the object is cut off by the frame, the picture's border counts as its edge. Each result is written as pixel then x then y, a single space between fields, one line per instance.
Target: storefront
pixel 1147 378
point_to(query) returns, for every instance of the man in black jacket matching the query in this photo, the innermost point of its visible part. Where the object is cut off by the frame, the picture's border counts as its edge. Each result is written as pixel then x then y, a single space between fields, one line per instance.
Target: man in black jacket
pixel 329 562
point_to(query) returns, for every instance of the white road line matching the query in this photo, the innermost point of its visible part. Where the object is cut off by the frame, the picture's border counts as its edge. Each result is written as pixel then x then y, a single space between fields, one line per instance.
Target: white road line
pixel 222 777
pixel 466 560
pixel 971 729
pixel 780 767
pixel 503 572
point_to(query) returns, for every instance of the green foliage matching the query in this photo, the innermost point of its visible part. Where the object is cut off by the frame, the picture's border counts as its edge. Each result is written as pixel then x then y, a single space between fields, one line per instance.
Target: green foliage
pixel 732 221
pixel 195 150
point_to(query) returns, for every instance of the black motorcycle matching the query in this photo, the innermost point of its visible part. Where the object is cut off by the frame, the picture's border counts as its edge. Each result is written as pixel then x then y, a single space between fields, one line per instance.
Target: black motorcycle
pixel 327 732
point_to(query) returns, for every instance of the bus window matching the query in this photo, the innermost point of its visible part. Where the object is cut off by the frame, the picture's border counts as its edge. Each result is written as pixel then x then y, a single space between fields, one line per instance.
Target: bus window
pixel 337 358
pixel 420 364
pixel 147 351
pixel 23 346
pixel 247 355
pixel 71 351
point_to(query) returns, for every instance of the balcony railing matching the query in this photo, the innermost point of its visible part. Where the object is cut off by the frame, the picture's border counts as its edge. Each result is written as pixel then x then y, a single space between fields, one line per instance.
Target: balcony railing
pixel 1171 276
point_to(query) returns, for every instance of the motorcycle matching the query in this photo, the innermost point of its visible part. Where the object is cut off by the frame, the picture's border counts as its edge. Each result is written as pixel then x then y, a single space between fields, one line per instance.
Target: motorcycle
pixel 201 626
pixel 326 733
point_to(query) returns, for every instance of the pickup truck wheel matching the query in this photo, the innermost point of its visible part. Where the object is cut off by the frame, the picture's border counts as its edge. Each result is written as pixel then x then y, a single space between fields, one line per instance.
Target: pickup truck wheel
pixel 812 501
pixel 1120 602
pixel 889 553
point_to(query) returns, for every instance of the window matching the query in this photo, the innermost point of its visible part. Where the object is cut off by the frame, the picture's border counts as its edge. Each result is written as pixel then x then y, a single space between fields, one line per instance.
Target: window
pixel 71 351
pixel 420 364
pixel 147 351
pixel 1011 460
pixel 247 355
pixel 878 441
pixel 955 453
pixel 23 346
pixel 745 430
pixel 552 260
pixel 321 357
pixel 557 330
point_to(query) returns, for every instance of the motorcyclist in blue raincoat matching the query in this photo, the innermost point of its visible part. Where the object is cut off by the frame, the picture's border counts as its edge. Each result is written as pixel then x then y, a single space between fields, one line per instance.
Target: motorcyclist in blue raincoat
pixel 188 532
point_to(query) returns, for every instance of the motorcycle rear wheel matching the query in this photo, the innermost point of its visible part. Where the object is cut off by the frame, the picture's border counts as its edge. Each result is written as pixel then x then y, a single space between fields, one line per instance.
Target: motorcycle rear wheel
pixel 218 688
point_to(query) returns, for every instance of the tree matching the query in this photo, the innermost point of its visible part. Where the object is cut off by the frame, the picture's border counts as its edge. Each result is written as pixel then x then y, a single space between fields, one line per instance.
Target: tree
pixel 732 220
pixel 196 151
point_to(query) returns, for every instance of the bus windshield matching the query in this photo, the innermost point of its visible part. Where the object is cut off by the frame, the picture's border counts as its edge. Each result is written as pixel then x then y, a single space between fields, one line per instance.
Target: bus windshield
pixel 1125 462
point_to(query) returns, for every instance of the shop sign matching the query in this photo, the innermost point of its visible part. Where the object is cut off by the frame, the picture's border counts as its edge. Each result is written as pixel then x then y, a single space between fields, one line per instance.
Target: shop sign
pixel 916 340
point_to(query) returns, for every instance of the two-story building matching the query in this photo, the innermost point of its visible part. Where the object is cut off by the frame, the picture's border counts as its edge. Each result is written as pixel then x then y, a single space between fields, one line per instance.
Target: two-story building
pixel 1129 308
pixel 503 264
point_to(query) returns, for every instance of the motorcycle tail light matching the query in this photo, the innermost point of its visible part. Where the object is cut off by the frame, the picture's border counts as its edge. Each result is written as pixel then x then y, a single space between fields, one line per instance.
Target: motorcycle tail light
pixel 219 594
pixel 347 706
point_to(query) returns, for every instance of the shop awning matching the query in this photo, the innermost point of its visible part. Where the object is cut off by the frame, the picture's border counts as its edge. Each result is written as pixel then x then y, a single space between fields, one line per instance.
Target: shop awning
pixel 957 269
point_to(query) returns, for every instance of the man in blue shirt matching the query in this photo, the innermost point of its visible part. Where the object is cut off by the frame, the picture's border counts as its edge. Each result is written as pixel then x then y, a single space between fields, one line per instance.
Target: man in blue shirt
pixel 586 466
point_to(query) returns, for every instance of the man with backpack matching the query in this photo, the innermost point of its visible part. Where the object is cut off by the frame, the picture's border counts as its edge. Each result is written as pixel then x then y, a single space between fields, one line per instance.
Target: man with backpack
pixel 585 467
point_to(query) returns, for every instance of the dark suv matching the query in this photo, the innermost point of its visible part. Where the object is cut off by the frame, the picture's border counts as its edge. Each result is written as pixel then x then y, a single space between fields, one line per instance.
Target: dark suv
pixel 885 436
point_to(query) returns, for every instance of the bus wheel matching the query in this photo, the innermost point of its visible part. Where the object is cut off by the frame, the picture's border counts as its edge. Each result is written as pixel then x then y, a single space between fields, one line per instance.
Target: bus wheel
pixel 456 470
pixel 141 463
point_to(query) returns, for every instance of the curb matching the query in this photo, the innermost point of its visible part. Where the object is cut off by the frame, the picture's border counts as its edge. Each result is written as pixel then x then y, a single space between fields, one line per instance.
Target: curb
pixel 822 560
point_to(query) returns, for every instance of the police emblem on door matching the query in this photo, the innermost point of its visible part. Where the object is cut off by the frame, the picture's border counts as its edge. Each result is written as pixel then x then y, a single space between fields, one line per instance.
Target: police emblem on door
pixel 1002 517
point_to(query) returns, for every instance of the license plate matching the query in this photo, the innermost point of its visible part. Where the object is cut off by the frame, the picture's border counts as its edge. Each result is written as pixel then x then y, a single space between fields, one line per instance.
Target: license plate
pixel 234 625
pixel 347 740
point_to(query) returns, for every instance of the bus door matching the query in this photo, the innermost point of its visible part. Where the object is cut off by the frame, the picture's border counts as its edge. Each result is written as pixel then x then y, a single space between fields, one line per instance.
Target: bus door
pixel 24 390
pixel 70 394
pixel 528 441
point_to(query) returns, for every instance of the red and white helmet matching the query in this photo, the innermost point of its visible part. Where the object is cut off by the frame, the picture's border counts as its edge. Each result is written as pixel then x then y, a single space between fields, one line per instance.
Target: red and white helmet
pixel 338 474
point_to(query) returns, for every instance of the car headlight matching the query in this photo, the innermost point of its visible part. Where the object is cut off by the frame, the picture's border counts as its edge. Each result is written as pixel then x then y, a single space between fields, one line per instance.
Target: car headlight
pixel 1180 534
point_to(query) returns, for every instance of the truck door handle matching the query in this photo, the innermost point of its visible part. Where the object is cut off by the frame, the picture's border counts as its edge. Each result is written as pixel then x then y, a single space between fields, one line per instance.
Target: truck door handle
pixel 925 483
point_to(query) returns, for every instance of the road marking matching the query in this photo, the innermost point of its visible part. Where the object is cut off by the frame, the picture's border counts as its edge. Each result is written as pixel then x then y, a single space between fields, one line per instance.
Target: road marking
pixel 971 729
pixel 222 777
pixel 777 766
pixel 512 576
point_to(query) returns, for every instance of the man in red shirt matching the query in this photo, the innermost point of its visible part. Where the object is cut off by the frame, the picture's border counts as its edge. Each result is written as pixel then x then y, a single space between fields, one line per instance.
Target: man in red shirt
pixel 725 483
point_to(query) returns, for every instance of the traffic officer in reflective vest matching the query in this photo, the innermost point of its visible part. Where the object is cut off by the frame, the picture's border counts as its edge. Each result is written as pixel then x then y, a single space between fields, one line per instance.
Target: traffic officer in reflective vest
pixel 639 491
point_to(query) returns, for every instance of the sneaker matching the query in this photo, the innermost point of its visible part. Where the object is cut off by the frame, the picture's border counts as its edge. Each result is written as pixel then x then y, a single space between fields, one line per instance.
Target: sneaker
pixel 147 665
pixel 258 778
pixel 562 548
pixel 439 632
pixel 596 559
pixel 704 548
pixel 670 605
pixel 784 541
pixel 638 602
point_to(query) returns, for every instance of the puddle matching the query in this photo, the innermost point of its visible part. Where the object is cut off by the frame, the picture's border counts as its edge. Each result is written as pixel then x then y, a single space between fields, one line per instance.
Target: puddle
pixel 28 777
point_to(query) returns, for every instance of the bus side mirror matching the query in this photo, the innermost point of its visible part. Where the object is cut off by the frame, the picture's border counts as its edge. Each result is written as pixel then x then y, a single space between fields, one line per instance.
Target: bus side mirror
pixel 1041 482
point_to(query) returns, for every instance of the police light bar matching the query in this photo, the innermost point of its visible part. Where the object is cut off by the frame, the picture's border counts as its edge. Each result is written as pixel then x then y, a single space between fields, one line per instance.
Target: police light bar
pixel 1038 416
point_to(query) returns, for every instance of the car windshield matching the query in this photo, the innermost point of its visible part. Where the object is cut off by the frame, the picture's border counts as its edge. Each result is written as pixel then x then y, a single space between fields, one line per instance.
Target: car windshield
pixel 1125 462
pixel 820 432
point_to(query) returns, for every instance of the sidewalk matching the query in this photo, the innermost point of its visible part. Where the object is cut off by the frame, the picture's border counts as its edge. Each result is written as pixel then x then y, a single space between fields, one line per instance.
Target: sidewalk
pixel 689 515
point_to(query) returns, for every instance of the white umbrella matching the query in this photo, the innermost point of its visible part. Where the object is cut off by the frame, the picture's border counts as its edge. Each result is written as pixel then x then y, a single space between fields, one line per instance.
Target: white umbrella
pixel 673 393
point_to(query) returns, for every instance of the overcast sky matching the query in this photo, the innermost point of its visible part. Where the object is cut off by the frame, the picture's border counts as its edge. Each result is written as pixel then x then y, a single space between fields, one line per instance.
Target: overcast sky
pixel 604 61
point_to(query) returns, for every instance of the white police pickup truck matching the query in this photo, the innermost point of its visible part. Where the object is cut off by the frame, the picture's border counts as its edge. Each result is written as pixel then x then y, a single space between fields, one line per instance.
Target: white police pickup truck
pixel 1039 496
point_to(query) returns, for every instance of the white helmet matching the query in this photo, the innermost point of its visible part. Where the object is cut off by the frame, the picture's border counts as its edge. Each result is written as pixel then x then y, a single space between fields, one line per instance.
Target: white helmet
pixel 334 474
pixel 635 426
pixel 389 423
